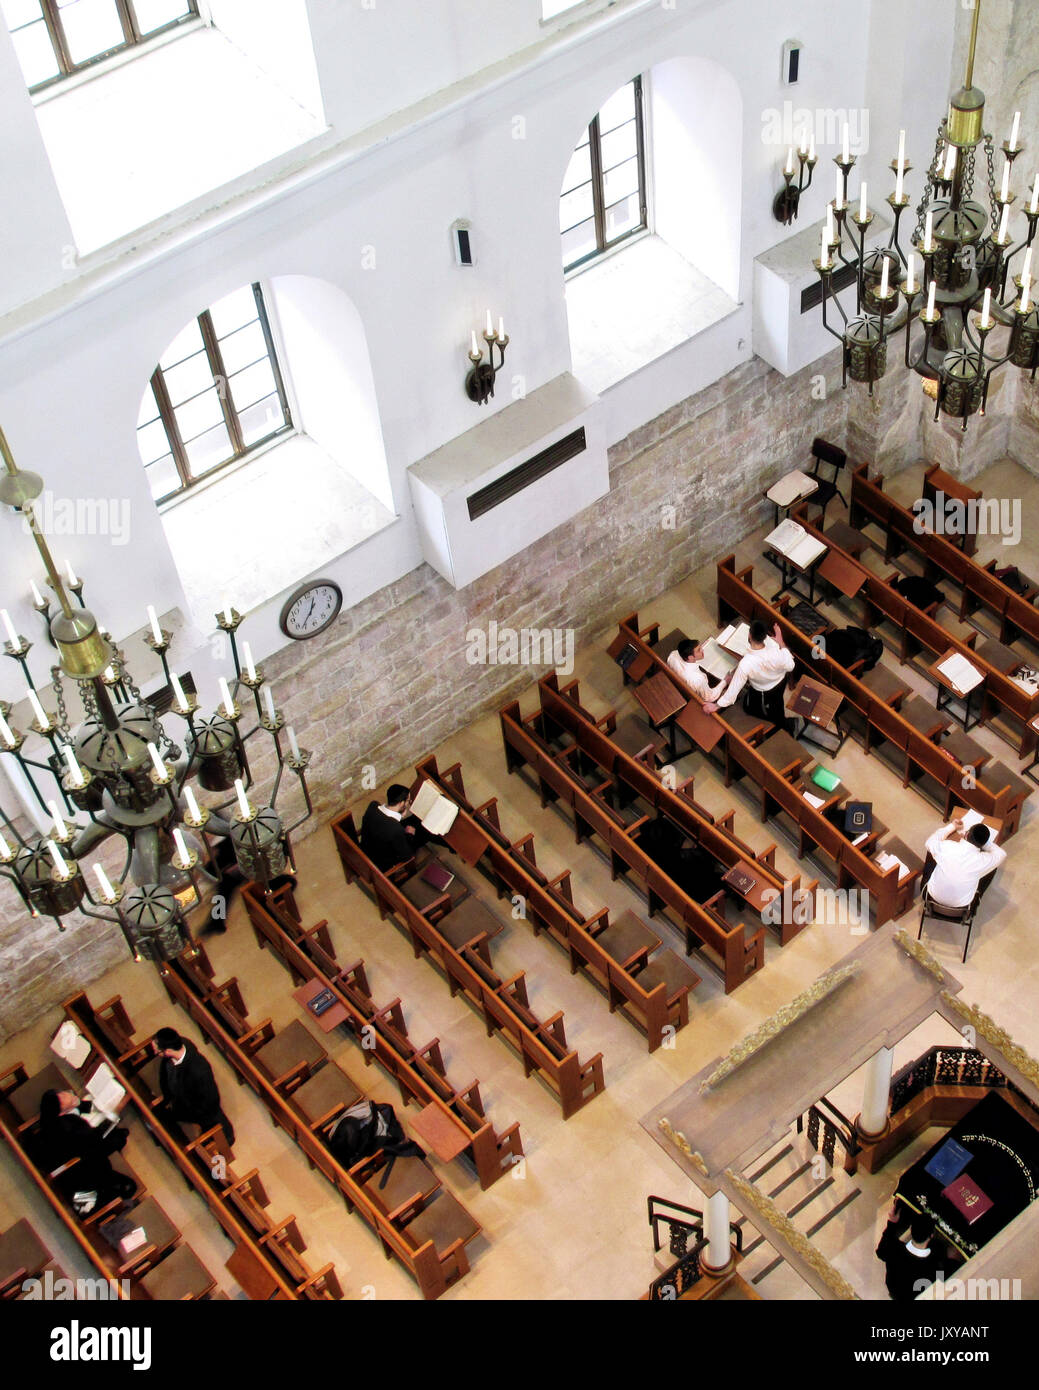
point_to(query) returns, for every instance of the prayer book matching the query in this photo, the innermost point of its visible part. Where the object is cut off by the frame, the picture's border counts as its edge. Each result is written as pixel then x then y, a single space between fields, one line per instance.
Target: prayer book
pixel 104 1090
pixel 949 1162
pixel 960 674
pixel 968 1198
pixel 436 812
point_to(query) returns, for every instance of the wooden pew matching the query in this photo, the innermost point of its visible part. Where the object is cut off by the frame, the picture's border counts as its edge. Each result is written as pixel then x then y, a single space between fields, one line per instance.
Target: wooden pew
pixel 433 1269
pixel 381 1033
pixel 887 898
pixel 652 990
pixel 916 628
pixel 957 783
pixel 736 954
pixel 540 1044
pixel 944 559
pixel 110 1033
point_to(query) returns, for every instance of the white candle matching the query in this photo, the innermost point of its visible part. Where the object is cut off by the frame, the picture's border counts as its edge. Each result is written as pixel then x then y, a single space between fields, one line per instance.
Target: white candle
pixel 845 149
pixel 986 308
pixel 156 629
pixel 838 189
pixel 811 146
pixel 109 673
pixel 38 710
pixel 5 732
pixel 950 162
pixel 71 573
pixel 12 636
pixel 1033 206
pixel 829 224
pixel 789 161
pixel 5 849
pixel 1026 290
pixel 884 278
pixel 929 232
pixel 474 349
pixel 930 301
pixel 293 744
pixel 74 768
pixel 824 251
pixel 268 697
pixel 501 330
pixel 59 862
pixel 103 883
pixel 1015 131
pixel 37 597
pixel 899 187
pixel 490 325
pixel 243 804
pixel 182 849
pixel 862 204
pixel 157 763
pixel 1026 265
pixel 193 810
pixel 1004 189
pixel 226 695
pixel 56 817
pixel 228 615
pixel 1001 235
pixel 901 152
pixel 178 691
pixel 911 274
pixel 249 666
pixel 802 147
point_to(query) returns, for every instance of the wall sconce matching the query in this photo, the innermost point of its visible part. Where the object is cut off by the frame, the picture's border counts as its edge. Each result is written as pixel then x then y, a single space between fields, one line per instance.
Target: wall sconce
pixel 784 208
pixel 479 383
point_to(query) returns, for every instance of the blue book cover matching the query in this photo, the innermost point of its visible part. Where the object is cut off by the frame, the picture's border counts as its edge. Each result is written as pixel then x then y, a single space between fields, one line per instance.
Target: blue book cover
pixel 949 1162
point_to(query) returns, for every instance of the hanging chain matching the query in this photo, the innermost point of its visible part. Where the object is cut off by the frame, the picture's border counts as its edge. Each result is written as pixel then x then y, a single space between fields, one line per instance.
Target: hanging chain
pixel 968 175
pixel 992 201
pixel 166 744
pixel 59 695
pixel 932 175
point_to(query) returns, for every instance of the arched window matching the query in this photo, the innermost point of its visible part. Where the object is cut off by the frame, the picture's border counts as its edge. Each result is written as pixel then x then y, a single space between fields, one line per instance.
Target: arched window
pixel 216 394
pixel 604 202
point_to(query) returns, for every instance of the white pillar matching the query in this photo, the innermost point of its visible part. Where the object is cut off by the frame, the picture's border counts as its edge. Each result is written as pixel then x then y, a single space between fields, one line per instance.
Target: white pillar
pixel 716 1229
pixel 873 1120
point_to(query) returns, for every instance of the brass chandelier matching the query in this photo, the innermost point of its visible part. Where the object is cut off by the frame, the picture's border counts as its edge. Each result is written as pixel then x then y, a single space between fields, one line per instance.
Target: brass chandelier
pixel 963 312
pixel 119 776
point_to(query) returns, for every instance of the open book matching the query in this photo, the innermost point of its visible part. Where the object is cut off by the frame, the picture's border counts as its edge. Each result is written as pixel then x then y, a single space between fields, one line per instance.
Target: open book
pixel 790 487
pixel 794 542
pixel 888 861
pixel 70 1045
pixel 436 812
pixel 960 674
pixel 735 638
pixel 716 662
pixel 105 1091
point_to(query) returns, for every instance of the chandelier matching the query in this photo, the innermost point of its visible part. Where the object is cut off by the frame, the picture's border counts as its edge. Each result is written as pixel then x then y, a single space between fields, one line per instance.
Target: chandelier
pixel 118 776
pixel 963 313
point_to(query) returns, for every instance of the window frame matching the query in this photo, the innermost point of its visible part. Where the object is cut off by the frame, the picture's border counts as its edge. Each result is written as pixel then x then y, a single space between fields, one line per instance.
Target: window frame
pixel 214 357
pixel 132 38
pixel 599 206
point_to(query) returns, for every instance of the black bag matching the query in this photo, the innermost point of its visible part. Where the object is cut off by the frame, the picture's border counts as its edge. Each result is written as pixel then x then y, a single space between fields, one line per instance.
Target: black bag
pixel 1012 579
pixel 847 645
pixel 806 619
pixel 364 1129
pixel 919 591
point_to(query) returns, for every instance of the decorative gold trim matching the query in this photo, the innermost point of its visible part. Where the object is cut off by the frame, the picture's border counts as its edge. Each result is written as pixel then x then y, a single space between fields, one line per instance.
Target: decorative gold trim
pixel 775 1025
pixel 998 1037
pixel 683 1145
pixel 919 953
pixel 781 1223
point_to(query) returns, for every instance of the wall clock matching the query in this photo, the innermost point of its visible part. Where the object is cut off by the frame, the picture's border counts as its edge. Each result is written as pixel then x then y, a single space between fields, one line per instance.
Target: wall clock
pixel 311 609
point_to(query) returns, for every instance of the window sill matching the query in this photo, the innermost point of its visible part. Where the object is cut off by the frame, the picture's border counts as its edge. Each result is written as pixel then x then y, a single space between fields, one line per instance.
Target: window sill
pixel 630 309
pixel 256 531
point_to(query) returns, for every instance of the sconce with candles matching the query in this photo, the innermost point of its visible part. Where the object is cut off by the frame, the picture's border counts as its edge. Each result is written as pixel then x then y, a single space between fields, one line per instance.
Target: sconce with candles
pixel 479 383
pixel 785 204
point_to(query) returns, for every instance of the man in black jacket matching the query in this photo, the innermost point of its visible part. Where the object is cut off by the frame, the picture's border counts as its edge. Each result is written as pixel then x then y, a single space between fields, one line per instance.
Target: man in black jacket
pixel 912 1266
pixel 65 1135
pixel 188 1088
pixel 388 834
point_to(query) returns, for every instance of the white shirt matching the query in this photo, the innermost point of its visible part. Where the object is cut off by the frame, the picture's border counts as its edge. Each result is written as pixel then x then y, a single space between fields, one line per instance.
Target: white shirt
pixel 388 811
pixel 960 866
pixel 690 674
pixel 763 668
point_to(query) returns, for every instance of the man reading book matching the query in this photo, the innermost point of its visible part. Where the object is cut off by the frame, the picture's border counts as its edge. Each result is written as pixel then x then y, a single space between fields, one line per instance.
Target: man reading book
pixel 960 866
pixel 764 672
pixel 684 661
pixel 389 835
pixel 912 1265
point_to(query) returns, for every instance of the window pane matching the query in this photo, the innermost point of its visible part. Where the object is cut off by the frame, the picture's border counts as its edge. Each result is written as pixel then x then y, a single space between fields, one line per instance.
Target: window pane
pixel 233 311
pixel 578 243
pixel 19 12
pixel 575 207
pixel 209 451
pixel 35 54
pixel 91 27
pixel 622 217
pixel 619 182
pixel 153 14
pixel 243 348
pixel 579 170
pixel 188 379
pixel 259 421
pixel 199 415
pixel 619 108
pixel 252 385
pixel 619 145
pixel 187 341
pixel 152 442
pixel 163 477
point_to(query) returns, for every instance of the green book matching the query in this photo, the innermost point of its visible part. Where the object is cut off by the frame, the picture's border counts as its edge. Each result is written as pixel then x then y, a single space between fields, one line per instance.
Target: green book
pixel 823 777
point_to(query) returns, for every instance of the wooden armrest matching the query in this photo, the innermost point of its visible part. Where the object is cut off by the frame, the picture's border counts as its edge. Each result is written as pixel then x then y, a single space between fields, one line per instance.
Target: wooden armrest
pixel 768 856
pixel 638 824
pixel 650 634
pixel 971 639
pixel 399 872
pixel 608 722
pixel 256 1037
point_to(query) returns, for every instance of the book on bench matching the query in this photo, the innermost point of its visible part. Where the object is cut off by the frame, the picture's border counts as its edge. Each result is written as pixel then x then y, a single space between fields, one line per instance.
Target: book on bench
pixel 735 638
pixel 807 699
pixel 437 876
pixel 70 1045
pixel 960 674
pixel 627 655
pixel 793 542
pixel 436 811
pixel 321 1002
pixel 715 661
pixel 740 878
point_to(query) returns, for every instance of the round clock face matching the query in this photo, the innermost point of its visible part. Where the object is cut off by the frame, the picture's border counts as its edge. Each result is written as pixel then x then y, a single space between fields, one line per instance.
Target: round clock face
pixel 311 609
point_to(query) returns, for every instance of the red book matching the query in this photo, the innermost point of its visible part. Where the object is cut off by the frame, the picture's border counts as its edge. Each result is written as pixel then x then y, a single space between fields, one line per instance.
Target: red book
pixel 437 876
pixel 968 1198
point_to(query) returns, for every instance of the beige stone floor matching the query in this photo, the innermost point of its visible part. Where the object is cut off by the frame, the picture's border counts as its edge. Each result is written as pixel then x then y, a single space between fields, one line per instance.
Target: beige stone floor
pixel 572 1223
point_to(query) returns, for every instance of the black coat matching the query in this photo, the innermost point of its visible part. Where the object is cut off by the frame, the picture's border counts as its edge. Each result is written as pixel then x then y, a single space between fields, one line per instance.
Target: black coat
pixel 189 1089
pixel 384 840
pixel 908 1274
pixel 68 1137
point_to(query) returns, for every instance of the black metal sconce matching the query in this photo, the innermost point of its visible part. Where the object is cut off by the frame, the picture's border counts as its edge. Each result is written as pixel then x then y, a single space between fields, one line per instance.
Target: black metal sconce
pixel 479 383
pixel 784 208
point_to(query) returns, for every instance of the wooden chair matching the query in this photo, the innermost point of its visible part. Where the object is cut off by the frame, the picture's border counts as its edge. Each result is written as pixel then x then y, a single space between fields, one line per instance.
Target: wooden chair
pixel 826 455
pixel 941 913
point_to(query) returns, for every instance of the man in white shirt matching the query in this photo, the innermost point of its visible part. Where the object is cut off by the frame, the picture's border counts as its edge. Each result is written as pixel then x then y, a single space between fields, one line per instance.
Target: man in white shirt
pixel 683 661
pixel 961 862
pixel 764 670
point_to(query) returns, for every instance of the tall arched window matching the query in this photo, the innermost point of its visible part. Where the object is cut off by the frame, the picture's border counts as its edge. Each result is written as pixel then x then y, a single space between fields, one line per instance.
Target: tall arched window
pixel 604 201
